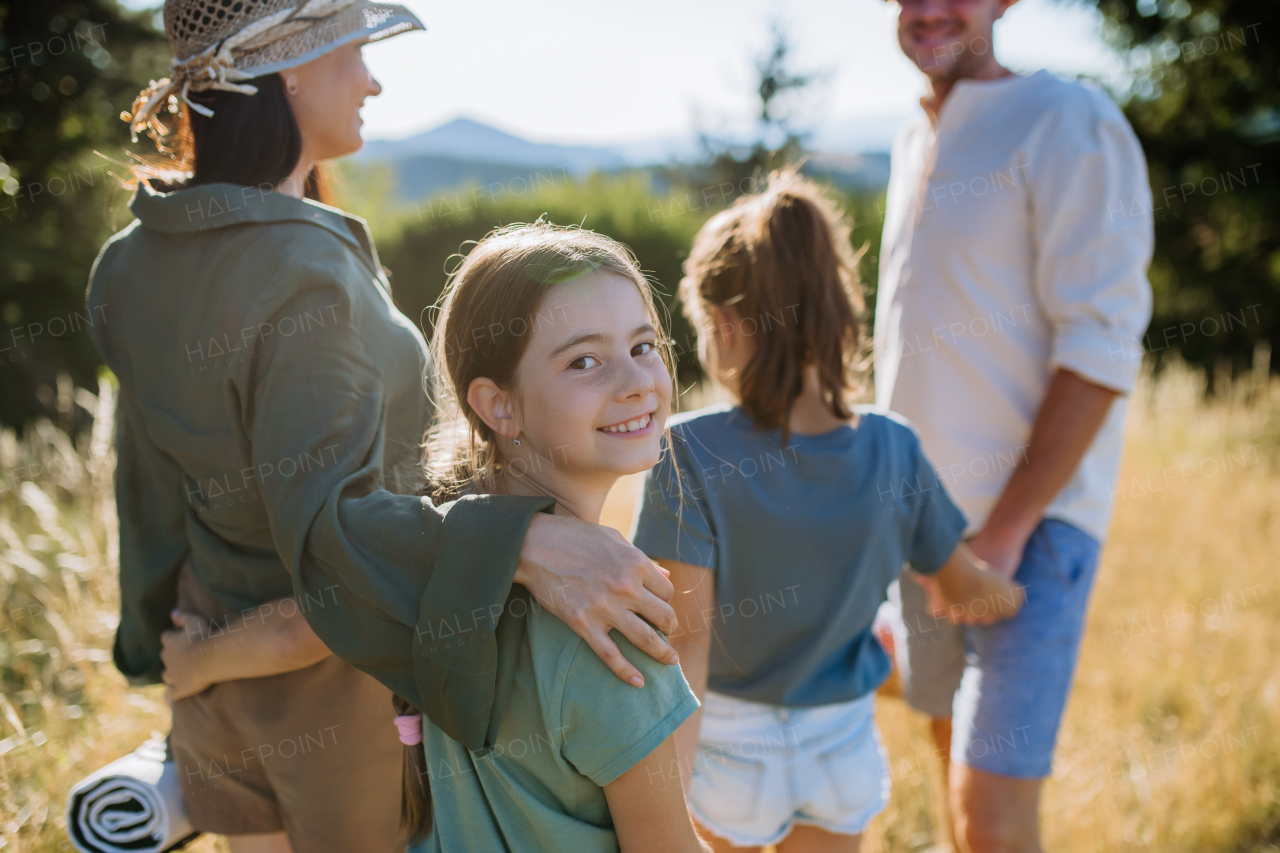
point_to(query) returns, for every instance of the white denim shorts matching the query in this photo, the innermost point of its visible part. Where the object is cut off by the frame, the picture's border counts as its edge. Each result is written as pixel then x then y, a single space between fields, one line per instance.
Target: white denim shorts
pixel 761 769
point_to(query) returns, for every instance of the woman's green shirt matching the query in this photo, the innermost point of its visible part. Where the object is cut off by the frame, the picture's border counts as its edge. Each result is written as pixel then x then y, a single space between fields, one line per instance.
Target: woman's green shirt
pixel 269 427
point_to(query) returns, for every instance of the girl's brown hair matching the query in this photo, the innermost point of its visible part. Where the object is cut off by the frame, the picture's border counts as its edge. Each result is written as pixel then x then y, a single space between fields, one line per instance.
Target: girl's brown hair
pixel 484 320
pixel 783 260
pixel 415 790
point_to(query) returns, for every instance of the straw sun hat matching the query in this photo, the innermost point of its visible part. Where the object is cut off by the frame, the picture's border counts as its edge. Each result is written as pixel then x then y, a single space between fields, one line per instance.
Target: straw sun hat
pixel 219 44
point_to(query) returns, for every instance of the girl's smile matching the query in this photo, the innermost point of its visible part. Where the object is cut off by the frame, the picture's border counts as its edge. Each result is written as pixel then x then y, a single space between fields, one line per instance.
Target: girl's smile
pixel 590 398
pixel 634 428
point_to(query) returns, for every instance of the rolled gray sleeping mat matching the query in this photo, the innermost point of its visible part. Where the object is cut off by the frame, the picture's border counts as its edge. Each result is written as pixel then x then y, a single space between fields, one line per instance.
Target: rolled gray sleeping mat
pixel 133 805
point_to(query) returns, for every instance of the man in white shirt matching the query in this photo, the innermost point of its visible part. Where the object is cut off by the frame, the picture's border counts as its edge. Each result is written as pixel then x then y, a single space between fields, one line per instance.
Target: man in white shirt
pixel 1012 293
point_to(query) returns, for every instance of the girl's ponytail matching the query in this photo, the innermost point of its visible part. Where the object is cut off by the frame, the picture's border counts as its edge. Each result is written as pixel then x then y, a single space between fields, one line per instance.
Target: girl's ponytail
pixel 415 797
pixel 782 260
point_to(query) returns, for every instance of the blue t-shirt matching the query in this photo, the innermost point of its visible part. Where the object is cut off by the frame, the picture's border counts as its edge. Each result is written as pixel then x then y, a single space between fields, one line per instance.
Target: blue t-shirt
pixel 804 541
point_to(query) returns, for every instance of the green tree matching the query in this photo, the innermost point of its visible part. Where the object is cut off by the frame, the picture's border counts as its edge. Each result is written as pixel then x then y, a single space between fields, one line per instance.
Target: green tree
pixel 731 170
pixel 779 140
pixel 67 70
pixel 1205 103
pixel 424 245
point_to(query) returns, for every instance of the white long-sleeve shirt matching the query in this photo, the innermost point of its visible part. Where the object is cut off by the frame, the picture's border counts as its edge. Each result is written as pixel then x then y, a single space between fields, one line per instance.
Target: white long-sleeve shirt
pixel 1016 241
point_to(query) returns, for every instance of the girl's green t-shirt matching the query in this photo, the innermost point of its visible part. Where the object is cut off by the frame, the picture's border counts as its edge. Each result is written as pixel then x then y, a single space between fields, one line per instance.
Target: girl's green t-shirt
pixel 569 727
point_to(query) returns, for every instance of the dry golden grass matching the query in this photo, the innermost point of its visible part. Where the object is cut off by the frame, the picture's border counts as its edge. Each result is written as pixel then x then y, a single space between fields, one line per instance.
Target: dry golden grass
pixel 1169 743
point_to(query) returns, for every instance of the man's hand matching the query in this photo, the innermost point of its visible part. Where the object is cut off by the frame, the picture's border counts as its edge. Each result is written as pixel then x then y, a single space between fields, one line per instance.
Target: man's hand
pixel 975 594
pixel 1001 554
pixel 1070 415
pixel 184 672
pixel 594 580
pixel 1001 551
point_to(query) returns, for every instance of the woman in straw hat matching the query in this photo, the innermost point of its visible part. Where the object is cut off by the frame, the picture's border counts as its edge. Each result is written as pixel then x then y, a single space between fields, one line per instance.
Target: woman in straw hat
pixel 270 415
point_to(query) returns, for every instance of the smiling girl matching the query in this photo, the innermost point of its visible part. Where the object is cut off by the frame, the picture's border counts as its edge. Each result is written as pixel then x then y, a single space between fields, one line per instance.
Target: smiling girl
pixel 560 388
pixel 231 245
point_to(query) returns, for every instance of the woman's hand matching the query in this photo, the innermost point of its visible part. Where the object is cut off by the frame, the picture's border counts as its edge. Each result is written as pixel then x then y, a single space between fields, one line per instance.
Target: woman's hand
pixel 594 580
pixel 184 670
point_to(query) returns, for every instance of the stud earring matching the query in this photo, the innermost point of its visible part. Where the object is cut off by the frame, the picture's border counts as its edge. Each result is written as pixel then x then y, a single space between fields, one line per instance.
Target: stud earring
pixel 291 85
pixel 516 442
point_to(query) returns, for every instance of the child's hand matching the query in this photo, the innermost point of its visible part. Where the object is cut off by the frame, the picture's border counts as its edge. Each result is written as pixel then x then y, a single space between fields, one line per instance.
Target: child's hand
pixel 991 598
pixel 883 632
pixel 974 594
pixel 935 602
pixel 180 653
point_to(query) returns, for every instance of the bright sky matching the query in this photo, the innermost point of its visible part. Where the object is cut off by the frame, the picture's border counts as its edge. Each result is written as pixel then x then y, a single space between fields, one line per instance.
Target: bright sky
pixel 588 72
pixel 603 72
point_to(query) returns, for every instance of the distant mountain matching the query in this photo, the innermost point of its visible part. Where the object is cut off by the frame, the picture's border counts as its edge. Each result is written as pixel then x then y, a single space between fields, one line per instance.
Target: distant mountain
pixel 465 139
pixel 465 152
pixel 861 135
pixel 659 151
pixel 419 176
pixel 850 171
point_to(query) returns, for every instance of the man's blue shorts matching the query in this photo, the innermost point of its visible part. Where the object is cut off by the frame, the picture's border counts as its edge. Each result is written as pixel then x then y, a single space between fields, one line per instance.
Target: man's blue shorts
pixel 1005 685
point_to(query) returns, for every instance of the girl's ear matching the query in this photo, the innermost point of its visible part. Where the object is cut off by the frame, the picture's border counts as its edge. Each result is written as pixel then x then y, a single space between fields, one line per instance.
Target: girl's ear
pixel 493 405
pixel 726 319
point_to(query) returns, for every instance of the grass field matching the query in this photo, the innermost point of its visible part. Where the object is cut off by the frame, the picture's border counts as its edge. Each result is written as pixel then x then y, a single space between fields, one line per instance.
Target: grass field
pixel 1169 742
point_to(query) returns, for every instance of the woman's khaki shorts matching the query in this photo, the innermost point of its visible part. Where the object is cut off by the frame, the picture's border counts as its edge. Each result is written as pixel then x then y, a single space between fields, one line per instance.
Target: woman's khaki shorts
pixel 313 752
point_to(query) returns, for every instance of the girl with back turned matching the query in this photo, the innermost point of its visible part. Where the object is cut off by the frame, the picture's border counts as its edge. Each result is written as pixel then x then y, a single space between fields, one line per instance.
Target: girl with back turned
pixel 783 520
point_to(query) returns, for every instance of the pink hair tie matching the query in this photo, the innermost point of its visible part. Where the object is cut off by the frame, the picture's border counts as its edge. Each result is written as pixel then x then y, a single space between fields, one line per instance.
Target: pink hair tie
pixel 410 729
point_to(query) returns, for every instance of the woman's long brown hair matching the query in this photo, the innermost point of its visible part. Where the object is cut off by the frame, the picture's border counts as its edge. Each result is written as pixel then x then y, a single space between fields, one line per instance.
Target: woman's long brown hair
pixel 782 259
